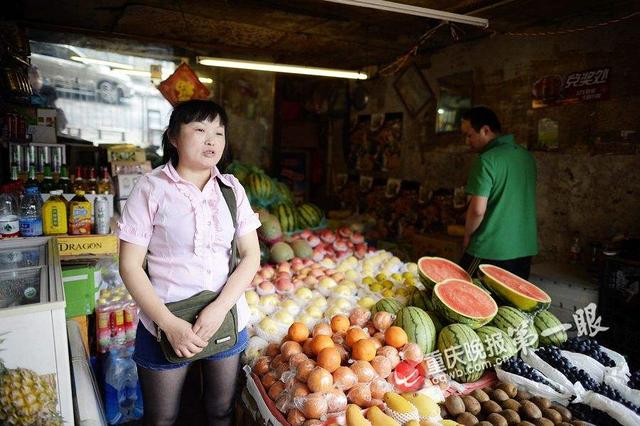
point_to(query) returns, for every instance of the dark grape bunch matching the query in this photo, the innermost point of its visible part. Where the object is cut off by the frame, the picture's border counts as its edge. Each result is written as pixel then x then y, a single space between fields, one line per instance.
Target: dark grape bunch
pixel 591 415
pixel 589 347
pixel 552 356
pixel 517 366
pixel 634 380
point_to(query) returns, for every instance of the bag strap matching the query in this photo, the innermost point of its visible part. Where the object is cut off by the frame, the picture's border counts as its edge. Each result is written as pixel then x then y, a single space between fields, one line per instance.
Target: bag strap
pixel 230 199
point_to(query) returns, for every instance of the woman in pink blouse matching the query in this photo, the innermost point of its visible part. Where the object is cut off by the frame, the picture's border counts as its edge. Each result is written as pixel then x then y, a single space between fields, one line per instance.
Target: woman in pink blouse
pixel 177 217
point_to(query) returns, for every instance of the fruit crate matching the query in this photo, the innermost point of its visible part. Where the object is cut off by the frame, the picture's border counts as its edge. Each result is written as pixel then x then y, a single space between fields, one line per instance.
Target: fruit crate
pixel 619 304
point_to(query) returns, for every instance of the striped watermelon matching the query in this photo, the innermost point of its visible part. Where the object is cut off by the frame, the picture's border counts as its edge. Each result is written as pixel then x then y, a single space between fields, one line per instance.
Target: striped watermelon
pixel 550 329
pixel 310 215
pixel 437 322
pixel 463 302
pixel 497 345
pixel 432 270
pixel 420 299
pixel 517 325
pixel 388 305
pixel 462 353
pixel 260 186
pixel 514 290
pixel 418 326
pixel 286 216
pixel 282 192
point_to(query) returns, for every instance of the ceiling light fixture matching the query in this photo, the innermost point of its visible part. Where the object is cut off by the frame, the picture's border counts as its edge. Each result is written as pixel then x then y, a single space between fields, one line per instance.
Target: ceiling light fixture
pixel 290 69
pixel 101 62
pixel 416 11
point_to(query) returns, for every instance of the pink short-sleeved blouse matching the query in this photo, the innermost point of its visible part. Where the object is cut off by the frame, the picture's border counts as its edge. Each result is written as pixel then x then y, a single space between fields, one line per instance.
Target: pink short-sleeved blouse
pixel 187 233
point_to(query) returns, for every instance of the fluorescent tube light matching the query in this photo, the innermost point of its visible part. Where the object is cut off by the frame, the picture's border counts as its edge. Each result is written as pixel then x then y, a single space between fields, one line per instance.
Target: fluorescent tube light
pixel 137 73
pixel 290 69
pixel 205 80
pixel 101 62
pixel 416 11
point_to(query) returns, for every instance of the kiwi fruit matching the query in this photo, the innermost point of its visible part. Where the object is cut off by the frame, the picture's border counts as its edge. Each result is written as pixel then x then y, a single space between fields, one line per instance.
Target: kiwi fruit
pixel 552 415
pixel 529 410
pixel 471 405
pixel 484 423
pixel 491 407
pixel 510 404
pixel 499 395
pixel 565 424
pixel 541 402
pixel 455 405
pixel 525 423
pixel 543 422
pixel 509 388
pixel 497 420
pixel 467 419
pixel 511 416
pixel 564 412
pixel 480 395
pixel 443 411
pixel 522 394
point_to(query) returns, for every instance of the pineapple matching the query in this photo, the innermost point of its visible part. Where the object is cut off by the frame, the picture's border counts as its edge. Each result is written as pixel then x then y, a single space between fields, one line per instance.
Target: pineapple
pixel 26 398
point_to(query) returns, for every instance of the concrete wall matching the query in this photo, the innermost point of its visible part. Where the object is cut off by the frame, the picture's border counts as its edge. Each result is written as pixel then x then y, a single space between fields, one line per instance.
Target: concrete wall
pixel 582 188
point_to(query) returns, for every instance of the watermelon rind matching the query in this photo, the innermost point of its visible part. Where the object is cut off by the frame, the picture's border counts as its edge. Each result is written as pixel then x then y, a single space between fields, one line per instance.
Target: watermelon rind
pixel 388 305
pixel 450 314
pixel 511 296
pixel 498 346
pixel 430 282
pixel 462 353
pixel 518 325
pixel 545 320
pixel 418 326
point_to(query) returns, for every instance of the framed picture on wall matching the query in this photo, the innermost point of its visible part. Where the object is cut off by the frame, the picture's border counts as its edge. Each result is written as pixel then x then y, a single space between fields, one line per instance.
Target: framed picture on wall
pixel 413 89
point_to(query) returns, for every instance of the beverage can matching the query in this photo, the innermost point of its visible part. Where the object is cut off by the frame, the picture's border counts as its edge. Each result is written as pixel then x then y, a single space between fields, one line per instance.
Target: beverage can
pixel 102 218
pixel 56 159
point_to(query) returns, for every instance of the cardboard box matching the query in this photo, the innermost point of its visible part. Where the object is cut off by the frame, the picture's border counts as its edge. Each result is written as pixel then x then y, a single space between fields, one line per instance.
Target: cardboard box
pixel 83 323
pixel 79 290
pixel 125 183
pixel 87 245
pixel 125 153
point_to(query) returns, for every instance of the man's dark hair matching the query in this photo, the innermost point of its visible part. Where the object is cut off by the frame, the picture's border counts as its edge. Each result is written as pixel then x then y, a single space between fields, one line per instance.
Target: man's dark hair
pixel 482 116
pixel 185 113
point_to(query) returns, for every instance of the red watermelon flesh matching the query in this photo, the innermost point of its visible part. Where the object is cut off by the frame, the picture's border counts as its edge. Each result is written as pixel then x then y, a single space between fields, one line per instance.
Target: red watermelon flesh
pixel 466 299
pixel 438 269
pixel 516 283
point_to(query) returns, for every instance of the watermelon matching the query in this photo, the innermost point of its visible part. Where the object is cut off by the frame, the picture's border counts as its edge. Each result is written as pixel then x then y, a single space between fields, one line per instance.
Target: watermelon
pixel 437 322
pixel 517 325
pixel 550 329
pixel 420 299
pixel 462 302
pixel 462 353
pixel 418 326
pixel 498 346
pixel 282 192
pixel 388 305
pixel 514 290
pixel 479 284
pixel 260 186
pixel 286 215
pixel 432 270
pixel 309 215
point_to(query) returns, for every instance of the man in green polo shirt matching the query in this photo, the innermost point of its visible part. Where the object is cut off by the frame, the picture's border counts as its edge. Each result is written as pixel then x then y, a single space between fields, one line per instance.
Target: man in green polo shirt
pixel 500 226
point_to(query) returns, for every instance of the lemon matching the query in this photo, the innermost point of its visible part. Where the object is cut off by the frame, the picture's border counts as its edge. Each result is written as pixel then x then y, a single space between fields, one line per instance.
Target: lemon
pixel 412 267
pixel 368 280
pixel 366 302
pixel 407 275
pixel 381 277
pixel 396 276
pixel 388 293
pixel 387 284
pixel 410 282
pixel 402 291
pixel 376 288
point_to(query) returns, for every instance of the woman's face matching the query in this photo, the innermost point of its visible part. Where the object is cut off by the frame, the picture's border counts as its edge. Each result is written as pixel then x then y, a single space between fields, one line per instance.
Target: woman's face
pixel 200 144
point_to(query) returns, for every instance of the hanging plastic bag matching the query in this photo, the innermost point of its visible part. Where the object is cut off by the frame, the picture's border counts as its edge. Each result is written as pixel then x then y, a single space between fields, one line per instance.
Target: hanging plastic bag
pixel 183 85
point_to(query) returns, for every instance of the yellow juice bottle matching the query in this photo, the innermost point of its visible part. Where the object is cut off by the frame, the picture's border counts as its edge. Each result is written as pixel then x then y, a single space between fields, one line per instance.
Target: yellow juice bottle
pixel 80 214
pixel 54 214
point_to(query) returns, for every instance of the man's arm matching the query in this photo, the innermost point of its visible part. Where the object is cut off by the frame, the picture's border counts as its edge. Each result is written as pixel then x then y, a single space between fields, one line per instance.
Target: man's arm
pixel 475 214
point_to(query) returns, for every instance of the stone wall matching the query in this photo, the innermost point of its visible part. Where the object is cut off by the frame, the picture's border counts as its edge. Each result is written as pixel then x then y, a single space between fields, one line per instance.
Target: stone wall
pixel 585 189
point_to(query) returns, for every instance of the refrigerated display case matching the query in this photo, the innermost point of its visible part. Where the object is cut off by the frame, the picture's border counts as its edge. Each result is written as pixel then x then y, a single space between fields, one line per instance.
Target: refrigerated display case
pixel 32 318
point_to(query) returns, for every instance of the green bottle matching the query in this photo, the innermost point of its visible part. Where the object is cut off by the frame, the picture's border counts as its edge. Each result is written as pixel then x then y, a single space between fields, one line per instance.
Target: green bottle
pixel 47 182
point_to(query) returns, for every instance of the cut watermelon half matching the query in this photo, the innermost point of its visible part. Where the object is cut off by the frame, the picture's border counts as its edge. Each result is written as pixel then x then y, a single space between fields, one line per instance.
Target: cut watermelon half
pixel 514 290
pixel 462 302
pixel 432 270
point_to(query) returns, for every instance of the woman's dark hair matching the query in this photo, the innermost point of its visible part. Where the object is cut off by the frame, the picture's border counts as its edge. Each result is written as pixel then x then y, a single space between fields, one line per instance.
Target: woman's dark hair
pixel 482 116
pixel 188 112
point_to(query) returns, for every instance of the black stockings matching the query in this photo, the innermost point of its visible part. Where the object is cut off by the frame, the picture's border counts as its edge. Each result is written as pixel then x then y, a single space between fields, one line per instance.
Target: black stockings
pixel 162 389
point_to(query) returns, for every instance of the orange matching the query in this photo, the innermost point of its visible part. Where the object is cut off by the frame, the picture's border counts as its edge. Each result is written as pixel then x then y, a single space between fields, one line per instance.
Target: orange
pixel 340 323
pixel 354 334
pixel 320 342
pixel 329 359
pixel 298 332
pixel 363 350
pixel 322 328
pixel 395 336
pixel 306 347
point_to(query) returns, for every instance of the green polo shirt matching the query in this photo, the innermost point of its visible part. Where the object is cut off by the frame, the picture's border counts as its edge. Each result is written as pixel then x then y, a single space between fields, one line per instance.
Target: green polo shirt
pixel 505 173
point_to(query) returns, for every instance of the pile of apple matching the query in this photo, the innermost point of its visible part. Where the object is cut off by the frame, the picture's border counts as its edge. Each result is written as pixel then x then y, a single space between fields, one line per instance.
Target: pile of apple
pixel 312 375
pixel 335 245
